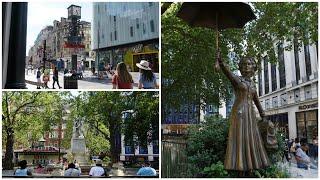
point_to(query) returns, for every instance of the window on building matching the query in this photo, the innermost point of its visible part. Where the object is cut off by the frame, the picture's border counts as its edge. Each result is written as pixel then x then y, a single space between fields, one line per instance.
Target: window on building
pixel 273 77
pixel 275 102
pixel 296 59
pixel 131 31
pixel 260 82
pixel 307 92
pixel 150 4
pixel 115 35
pixel 284 99
pixel 143 150
pixel 282 70
pixel 155 145
pixel 307 125
pixel 137 23
pixel 307 60
pixel 144 28
pixel 266 76
pixel 128 150
pixel 267 104
pixel 152 25
pixel 114 19
pixel 111 36
pixel 296 95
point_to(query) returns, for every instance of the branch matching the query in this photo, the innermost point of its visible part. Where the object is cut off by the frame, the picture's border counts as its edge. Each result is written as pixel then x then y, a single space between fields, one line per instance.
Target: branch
pixel 100 131
pixel 24 105
pixel 165 6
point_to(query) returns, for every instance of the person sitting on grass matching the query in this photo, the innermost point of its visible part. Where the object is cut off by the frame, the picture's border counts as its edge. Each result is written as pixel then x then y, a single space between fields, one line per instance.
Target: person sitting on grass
pixel 147 170
pixel 303 160
pixel 23 170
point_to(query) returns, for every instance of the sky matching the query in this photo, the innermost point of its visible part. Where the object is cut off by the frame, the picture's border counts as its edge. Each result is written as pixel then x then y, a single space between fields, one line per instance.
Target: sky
pixel 42 14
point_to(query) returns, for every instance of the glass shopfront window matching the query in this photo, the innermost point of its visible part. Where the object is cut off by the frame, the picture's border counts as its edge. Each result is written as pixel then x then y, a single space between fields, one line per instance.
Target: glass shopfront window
pixel 307 125
pixel 281 122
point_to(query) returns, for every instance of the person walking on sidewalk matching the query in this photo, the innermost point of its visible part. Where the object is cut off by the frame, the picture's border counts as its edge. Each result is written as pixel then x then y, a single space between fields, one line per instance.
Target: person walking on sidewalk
pixel 147 79
pixel 38 78
pixel 55 77
pixel 46 77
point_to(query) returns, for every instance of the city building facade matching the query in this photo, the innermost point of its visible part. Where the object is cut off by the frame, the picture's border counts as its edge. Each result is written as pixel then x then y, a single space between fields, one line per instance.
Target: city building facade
pixel 288 90
pixel 126 32
pixel 56 52
pixel 150 152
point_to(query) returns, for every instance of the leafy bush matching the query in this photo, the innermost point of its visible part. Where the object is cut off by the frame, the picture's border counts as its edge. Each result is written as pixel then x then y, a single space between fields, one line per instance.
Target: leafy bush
pixel 276 155
pixel 215 170
pixel 272 171
pixel 206 144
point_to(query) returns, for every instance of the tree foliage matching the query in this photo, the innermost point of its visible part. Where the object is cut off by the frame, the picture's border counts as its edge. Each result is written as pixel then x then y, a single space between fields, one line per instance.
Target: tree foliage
pixel 103 113
pixel 26 116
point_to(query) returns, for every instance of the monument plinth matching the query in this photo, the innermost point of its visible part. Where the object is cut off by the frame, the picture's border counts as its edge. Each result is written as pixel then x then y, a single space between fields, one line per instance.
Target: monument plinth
pixel 78 147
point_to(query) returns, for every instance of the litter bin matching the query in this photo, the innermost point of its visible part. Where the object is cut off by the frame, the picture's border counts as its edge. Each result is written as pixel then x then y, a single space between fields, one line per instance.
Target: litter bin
pixel 70 82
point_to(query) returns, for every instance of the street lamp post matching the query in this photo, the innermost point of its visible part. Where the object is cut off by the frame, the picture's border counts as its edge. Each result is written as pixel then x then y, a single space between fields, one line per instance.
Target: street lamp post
pixel 44 55
pixel 41 143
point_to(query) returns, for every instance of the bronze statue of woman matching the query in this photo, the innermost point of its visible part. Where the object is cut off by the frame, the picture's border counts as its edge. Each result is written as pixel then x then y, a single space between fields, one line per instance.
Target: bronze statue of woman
pixel 245 147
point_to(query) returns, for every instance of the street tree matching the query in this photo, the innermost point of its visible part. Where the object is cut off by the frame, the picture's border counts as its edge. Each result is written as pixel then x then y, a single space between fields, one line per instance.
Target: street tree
pixel 26 116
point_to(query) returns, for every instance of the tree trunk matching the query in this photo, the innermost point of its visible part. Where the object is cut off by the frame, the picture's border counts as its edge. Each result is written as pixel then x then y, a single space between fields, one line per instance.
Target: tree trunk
pixel 8 164
pixel 113 148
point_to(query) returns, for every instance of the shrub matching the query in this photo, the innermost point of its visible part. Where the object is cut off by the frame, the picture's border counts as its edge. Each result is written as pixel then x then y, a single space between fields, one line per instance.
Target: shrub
pixel 272 171
pixel 206 144
pixel 215 170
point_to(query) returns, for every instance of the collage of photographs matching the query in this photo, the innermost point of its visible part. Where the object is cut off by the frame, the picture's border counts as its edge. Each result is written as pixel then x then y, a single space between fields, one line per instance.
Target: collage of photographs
pixel 159 89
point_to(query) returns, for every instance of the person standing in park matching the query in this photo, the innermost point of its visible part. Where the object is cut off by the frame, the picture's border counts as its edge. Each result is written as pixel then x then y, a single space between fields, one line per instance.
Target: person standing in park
pixel 38 78
pixel 55 78
pixel 147 79
pixel 72 171
pixel 23 170
pixel 98 169
pixel 122 79
pixel 147 170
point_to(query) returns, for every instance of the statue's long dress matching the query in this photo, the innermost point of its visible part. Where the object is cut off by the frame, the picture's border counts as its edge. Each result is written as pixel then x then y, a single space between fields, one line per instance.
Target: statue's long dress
pixel 245 149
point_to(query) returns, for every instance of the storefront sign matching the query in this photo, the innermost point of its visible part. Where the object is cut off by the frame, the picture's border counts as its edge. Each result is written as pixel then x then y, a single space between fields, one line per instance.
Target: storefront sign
pixel 308 106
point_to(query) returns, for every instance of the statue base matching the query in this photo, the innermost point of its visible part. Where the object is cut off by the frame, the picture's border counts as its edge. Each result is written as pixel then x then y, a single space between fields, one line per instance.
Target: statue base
pixel 78 150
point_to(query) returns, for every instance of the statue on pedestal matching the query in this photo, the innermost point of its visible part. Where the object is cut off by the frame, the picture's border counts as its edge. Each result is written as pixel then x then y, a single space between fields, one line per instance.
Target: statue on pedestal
pixel 77 129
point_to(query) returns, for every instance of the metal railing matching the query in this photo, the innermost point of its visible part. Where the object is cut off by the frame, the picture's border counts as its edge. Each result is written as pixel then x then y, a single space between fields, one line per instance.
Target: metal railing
pixel 173 159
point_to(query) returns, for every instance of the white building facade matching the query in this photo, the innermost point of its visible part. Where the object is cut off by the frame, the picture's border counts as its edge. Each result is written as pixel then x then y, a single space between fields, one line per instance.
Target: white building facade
pixel 288 91
pixel 126 32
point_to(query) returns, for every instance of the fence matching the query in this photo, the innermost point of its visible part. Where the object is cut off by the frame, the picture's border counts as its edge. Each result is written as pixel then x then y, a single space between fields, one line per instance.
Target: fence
pixel 173 159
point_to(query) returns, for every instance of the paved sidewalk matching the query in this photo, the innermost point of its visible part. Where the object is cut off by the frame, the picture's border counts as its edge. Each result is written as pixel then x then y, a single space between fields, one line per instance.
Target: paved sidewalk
pixel 89 81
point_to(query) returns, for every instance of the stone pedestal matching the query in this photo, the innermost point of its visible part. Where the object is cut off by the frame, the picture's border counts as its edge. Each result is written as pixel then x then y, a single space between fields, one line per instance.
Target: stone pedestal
pixel 78 150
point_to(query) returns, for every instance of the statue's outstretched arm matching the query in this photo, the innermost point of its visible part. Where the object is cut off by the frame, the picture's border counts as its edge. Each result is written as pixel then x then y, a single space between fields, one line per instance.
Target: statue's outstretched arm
pixel 258 104
pixel 235 81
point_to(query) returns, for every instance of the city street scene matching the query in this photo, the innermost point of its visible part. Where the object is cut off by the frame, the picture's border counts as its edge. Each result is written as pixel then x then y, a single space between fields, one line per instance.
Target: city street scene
pixel 85 45
pixel 80 134
pixel 239 89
